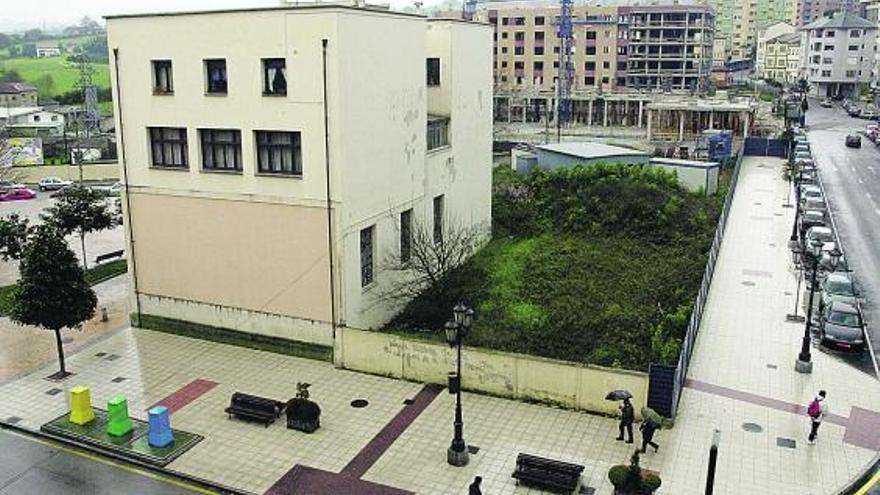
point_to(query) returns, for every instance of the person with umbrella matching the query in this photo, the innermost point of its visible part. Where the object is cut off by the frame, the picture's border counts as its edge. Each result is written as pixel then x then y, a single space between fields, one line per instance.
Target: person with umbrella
pixel 627 416
pixel 650 424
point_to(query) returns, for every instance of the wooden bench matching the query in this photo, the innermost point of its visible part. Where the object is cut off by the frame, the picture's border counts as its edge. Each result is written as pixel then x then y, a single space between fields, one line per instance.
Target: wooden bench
pixel 254 408
pixel 547 474
pixel 109 256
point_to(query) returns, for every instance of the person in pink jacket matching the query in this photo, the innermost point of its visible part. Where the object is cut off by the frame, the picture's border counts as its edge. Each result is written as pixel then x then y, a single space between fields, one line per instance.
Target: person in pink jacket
pixel 817 410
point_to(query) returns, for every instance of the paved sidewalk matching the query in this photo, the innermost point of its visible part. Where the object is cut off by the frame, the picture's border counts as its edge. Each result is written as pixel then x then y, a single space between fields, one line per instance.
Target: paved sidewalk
pixel 743 368
pixel 742 372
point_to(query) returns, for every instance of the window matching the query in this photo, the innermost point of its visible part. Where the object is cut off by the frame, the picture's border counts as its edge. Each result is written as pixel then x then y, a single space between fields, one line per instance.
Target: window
pixel 505 21
pixel 853 48
pixel 279 152
pixel 829 34
pixel 591 50
pixel 163 83
pixel 504 36
pixel 537 66
pixel 519 36
pixel 518 50
pixel 274 77
pixel 438 132
pixel 367 255
pixel 539 21
pixel 221 149
pixel 539 36
pixel 591 35
pixel 590 66
pixel 168 147
pixel 36 118
pixel 215 71
pixel 855 33
pixel 828 48
pixel 438 219
pixel 605 80
pixel 606 65
pixel 826 73
pixel 406 228
pixel 539 50
pixel 826 60
pixel 503 64
pixel 590 81
pixel 433 69
pixel 503 49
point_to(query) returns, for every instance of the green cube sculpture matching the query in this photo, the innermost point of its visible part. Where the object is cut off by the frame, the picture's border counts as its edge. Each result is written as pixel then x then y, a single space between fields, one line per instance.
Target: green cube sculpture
pixel 118 423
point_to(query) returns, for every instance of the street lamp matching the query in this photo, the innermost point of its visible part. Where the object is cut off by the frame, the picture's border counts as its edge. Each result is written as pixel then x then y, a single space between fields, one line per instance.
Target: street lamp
pixel 793 240
pixel 456 330
pixel 804 363
pixel 796 255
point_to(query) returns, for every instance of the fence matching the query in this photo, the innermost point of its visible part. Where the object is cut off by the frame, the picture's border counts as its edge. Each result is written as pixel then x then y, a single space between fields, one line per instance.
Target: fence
pixel 759 146
pixel 665 382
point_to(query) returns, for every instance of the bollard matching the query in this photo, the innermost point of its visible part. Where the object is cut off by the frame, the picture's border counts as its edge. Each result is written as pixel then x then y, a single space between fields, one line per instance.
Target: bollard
pixel 81 412
pixel 104 314
pixel 118 423
pixel 160 427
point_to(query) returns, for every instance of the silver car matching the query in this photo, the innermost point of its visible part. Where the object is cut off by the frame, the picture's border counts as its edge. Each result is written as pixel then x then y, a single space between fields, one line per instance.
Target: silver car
pixel 822 234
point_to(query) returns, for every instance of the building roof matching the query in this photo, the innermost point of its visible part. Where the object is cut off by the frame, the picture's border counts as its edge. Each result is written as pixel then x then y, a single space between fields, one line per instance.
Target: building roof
pixel 841 20
pixel 288 8
pixel 589 150
pixel 6 113
pixel 7 88
pixel 786 38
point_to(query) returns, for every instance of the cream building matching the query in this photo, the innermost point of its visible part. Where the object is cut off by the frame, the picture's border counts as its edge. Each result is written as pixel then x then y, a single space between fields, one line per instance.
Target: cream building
pixel 779 53
pixel 271 170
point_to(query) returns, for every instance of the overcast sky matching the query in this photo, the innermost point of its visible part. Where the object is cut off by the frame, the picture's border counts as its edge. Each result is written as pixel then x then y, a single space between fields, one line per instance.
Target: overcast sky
pixel 55 13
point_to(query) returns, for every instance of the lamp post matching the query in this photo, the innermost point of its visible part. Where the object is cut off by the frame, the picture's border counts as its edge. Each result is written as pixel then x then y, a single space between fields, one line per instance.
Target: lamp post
pixel 796 255
pixel 804 364
pixel 456 330
pixel 793 240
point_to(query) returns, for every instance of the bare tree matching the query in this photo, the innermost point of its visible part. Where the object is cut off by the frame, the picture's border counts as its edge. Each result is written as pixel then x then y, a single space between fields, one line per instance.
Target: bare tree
pixel 427 256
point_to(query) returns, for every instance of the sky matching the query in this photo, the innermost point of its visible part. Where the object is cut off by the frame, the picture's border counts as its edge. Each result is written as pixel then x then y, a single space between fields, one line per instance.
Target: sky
pixel 57 13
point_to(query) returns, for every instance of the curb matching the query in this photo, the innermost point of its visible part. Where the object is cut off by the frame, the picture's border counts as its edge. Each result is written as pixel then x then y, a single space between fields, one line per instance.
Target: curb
pixel 169 473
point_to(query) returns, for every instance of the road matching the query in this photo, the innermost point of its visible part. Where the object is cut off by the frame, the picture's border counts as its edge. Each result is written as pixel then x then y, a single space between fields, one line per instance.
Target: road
pixel 32 467
pixel 852 185
pixel 96 243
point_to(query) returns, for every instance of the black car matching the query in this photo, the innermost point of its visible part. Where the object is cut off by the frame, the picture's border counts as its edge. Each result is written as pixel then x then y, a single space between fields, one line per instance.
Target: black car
pixel 853 141
pixel 841 326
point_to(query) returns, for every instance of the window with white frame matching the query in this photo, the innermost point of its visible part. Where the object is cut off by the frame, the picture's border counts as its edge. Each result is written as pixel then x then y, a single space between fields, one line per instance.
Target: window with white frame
pixel 168 147
pixel 274 77
pixel 163 82
pixel 438 132
pixel 221 149
pixel 279 152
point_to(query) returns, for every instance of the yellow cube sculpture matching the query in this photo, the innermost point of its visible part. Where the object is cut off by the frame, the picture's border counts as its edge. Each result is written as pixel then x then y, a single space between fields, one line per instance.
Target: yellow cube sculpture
pixel 81 411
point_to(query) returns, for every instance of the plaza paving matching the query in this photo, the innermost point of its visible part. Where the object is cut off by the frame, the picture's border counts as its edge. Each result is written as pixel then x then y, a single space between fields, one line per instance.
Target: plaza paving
pixel 742 372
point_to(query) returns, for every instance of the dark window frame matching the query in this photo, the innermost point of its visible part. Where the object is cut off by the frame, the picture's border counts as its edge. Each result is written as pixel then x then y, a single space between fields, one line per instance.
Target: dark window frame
pixel 272 85
pixel 216 149
pixel 160 140
pixel 219 86
pixel 367 250
pixel 437 133
pixel 406 235
pixel 432 71
pixel 168 67
pixel 268 149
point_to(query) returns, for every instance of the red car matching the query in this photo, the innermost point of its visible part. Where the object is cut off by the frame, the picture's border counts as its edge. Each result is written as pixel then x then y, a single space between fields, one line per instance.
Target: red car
pixel 17 194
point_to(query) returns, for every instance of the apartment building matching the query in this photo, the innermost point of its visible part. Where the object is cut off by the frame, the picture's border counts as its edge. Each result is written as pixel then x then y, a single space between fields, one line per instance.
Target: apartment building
pixel 273 173
pixel 839 53
pixel 779 54
pixel 812 10
pixel 738 23
pixel 646 47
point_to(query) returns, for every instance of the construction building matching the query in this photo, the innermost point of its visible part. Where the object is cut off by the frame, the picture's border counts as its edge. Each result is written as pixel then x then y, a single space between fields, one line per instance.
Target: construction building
pixel 779 54
pixel 839 54
pixel 272 175
pixel 656 46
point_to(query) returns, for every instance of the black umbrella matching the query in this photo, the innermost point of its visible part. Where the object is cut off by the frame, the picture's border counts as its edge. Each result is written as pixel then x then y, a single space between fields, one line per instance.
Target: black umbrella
pixel 618 395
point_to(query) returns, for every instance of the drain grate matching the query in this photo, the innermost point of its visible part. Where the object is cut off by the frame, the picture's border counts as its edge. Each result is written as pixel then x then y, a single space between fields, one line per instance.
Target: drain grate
pixel 788 443
pixel 748 283
pixel 101 354
pixel 752 427
pixel 359 403
pixel 119 379
pixel 54 391
pixel 771 366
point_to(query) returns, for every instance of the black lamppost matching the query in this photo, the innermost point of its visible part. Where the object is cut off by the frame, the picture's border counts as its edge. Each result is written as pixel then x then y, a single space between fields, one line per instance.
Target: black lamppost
pixel 456 331
pixel 793 240
pixel 804 364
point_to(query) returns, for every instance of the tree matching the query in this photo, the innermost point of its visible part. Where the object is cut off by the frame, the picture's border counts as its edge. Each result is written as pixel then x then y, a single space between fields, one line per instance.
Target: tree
pixel 11 75
pixel 52 292
pixel 45 85
pixel 14 232
pixel 81 210
pixel 5 40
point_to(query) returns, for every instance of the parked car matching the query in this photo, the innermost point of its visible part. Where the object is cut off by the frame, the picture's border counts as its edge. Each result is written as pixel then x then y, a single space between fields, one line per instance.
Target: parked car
pixel 827 103
pixel 854 111
pixel 18 193
pixel 52 183
pixel 841 326
pixel 6 186
pixel 837 286
pixel 814 204
pixel 805 163
pixel 802 155
pixel 823 234
pixel 801 148
pixel 111 190
pixel 869 114
pixel 810 191
pixel 809 219
pixel 853 141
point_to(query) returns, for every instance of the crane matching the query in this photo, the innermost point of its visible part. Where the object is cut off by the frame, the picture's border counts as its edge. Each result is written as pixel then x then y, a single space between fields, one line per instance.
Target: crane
pixel 565 75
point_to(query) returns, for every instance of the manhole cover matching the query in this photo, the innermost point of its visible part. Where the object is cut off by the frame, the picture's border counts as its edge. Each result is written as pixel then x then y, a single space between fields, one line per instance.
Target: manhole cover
pixel 752 427
pixel 748 283
pixel 359 403
pixel 758 203
pixel 787 293
pixel 771 366
pixel 785 442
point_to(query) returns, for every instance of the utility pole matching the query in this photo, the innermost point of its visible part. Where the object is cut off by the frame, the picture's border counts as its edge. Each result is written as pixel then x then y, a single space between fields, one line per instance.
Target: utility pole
pixel 88 118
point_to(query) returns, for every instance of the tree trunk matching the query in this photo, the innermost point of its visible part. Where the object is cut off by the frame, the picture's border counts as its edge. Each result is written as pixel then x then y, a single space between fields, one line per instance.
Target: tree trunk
pixel 82 240
pixel 63 371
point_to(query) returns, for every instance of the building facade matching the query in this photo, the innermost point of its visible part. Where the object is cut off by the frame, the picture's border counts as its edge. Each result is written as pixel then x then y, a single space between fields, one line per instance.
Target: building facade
pixel 813 10
pixel 648 47
pixel 739 22
pixel 779 54
pixel 14 94
pixel 839 54
pixel 272 174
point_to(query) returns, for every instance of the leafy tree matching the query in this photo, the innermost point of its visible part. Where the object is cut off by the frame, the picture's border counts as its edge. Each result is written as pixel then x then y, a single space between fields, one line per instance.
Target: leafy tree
pixel 11 75
pixel 45 85
pixel 29 50
pixel 14 232
pixel 5 40
pixel 82 210
pixel 52 292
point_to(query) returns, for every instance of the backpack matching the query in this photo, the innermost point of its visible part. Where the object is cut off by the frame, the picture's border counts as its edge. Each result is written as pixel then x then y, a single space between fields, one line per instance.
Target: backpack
pixel 814 409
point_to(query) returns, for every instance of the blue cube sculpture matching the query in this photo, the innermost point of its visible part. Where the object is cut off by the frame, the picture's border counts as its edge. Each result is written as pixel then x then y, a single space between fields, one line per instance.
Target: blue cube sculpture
pixel 160 427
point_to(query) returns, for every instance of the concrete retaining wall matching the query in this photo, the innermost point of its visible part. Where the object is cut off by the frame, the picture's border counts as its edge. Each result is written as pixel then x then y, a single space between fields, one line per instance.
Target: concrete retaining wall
pixel 104 172
pixel 516 376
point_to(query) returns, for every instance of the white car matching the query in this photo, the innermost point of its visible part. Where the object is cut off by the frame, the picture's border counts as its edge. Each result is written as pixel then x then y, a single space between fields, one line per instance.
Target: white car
pixel 111 190
pixel 827 103
pixel 52 183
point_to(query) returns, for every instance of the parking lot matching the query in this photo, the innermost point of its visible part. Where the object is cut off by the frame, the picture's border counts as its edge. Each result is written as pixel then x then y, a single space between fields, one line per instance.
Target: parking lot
pixel 96 243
